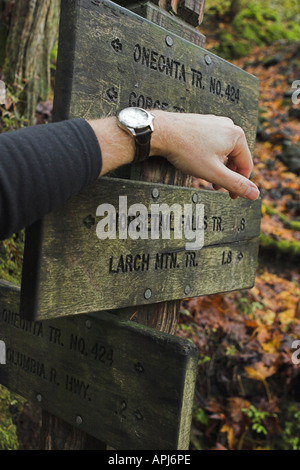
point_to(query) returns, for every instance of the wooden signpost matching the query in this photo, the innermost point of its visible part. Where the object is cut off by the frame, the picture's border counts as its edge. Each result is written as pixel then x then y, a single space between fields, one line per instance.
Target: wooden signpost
pixel 116 59
pixel 78 337
pixel 121 382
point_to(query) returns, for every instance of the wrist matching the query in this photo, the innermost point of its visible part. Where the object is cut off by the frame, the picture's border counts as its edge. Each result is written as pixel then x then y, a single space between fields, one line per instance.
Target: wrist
pixel 159 138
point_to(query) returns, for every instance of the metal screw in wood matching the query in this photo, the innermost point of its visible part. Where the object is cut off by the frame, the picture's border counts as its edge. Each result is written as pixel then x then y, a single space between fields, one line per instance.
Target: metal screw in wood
pixel 207 59
pixel 147 294
pixel 78 420
pixel 169 41
pixel 155 193
pixel 187 289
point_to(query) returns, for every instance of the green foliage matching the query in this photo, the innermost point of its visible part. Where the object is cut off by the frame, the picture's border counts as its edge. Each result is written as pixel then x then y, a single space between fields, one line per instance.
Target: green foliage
pixel 11 250
pixel 291 248
pixel 203 359
pixel 255 24
pixel 290 224
pixel 231 350
pixel 53 56
pixel 290 433
pixel 10 117
pixel 257 419
pixel 200 415
pixel 8 435
pixel 248 308
pixel 263 25
pixel 287 9
pixel 218 8
pixel 11 256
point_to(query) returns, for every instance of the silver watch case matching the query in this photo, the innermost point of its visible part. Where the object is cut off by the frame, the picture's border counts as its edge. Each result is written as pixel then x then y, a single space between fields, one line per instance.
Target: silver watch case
pixel 135 120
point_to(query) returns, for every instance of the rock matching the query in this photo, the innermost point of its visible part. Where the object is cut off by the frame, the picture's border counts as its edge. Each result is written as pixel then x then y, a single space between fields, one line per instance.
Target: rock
pixel 295 113
pixel 289 191
pixel 270 163
pixel 290 156
pixel 262 134
pixel 273 60
pixel 297 208
pixel 293 206
pixel 275 194
pixel 280 135
pixel 294 165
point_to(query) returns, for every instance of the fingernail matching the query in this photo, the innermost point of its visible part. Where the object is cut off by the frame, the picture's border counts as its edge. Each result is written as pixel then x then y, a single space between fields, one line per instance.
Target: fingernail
pixel 252 193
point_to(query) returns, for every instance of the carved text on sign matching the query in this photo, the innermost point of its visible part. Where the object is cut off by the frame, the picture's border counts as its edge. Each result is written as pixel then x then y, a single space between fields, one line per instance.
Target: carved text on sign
pixel 69 366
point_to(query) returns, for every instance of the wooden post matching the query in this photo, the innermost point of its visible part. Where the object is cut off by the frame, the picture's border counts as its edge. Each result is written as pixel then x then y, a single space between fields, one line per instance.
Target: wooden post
pixel 161 316
pixel 56 434
pixel 164 316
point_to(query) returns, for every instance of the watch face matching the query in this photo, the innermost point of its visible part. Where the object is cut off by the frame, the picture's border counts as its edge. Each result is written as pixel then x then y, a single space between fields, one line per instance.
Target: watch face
pixel 134 117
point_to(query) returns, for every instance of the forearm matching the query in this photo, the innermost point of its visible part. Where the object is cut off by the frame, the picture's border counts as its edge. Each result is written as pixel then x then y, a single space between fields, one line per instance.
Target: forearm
pixel 41 167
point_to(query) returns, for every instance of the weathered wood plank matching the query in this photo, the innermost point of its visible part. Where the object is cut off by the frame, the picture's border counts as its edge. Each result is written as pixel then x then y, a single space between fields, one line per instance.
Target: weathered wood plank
pixel 191 11
pixel 116 58
pixel 169 22
pixel 80 272
pixel 124 383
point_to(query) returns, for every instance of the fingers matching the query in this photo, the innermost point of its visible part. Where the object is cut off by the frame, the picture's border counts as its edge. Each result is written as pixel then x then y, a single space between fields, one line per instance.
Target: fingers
pixel 236 183
pixel 235 173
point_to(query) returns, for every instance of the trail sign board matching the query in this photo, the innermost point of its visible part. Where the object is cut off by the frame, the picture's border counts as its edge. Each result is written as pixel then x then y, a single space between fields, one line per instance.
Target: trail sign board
pixel 121 382
pixel 110 58
pixel 98 256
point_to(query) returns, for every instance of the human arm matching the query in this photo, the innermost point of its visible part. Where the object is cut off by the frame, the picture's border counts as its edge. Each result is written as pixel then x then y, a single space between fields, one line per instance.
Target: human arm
pixel 204 146
pixel 41 167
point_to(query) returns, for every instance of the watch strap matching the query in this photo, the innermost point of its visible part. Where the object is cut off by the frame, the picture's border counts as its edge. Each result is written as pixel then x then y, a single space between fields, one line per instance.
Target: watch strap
pixel 142 145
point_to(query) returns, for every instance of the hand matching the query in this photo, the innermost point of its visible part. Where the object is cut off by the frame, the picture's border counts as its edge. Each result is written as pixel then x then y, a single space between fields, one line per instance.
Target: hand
pixel 207 147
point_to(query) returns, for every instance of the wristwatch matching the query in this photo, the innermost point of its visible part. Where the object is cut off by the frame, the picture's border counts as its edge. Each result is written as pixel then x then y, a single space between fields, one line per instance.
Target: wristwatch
pixel 139 123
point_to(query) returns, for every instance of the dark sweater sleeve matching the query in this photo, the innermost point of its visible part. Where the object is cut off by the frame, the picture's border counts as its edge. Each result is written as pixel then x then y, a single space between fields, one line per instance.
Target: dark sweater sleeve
pixel 41 167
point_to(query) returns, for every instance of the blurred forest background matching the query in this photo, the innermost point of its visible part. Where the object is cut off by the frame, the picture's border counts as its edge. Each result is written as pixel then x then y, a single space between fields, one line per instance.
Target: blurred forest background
pixel 248 387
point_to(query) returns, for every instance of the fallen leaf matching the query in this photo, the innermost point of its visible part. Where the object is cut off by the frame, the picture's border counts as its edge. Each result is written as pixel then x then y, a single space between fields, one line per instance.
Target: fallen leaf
pixel 259 371
pixel 230 434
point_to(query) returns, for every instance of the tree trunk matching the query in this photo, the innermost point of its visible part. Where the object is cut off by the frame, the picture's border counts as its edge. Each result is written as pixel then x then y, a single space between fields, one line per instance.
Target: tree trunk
pixel 32 34
pixel 5 16
pixel 235 7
